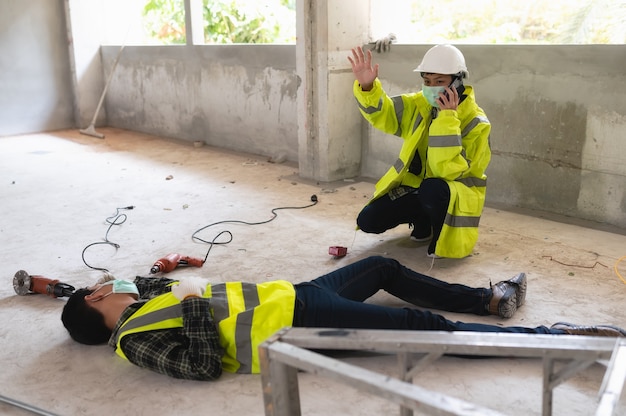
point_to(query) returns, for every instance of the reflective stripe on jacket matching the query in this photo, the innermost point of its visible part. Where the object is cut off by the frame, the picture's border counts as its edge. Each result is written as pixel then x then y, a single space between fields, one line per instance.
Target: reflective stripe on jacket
pixel 454 147
pixel 246 315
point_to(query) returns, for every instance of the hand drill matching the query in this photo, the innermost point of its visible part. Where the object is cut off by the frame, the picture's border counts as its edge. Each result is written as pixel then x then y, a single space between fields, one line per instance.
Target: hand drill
pixel 24 284
pixel 173 260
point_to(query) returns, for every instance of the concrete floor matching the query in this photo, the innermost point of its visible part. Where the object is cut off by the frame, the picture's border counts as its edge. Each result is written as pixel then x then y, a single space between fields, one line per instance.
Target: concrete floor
pixel 58 188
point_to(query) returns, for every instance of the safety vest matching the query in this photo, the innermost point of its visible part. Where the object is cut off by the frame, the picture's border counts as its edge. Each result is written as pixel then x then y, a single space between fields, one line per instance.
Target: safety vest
pixel 453 147
pixel 246 315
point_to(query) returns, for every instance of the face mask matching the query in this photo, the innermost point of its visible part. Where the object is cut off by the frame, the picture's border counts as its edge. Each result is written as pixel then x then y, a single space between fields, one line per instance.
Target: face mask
pixel 432 94
pixel 120 286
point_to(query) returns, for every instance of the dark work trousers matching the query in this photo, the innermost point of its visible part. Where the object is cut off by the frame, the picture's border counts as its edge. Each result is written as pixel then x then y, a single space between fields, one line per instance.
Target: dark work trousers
pixel 337 300
pixel 424 209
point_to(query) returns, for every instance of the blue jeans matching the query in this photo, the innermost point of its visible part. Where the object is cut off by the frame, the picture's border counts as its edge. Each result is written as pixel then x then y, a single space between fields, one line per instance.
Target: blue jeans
pixel 336 300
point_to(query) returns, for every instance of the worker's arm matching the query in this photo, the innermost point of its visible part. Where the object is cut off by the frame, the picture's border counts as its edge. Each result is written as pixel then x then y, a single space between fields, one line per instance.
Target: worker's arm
pixel 391 115
pixel 451 156
pixel 192 352
pixel 374 104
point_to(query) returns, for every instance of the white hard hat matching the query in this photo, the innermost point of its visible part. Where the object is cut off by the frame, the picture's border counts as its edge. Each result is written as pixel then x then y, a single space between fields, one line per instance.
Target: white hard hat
pixel 443 59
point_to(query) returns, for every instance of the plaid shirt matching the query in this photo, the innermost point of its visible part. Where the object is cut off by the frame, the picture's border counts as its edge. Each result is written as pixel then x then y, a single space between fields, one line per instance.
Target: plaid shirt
pixel 192 352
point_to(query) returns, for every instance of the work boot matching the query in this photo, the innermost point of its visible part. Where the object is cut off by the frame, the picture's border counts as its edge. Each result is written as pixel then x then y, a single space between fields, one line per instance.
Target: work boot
pixel 592 331
pixel 503 300
pixel 519 283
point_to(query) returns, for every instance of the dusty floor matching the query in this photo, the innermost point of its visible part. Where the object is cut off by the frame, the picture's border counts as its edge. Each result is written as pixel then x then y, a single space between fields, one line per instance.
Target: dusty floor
pixel 58 189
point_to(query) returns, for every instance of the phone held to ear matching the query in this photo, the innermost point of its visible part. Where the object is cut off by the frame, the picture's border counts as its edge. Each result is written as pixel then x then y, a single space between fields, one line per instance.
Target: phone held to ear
pixel 456 84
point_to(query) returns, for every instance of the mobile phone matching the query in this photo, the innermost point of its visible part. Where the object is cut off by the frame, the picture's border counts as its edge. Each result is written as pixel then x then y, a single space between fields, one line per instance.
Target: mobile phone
pixel 457 84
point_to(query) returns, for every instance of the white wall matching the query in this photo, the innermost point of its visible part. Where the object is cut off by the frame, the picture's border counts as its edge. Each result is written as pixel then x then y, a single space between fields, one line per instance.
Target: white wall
pixel 35 73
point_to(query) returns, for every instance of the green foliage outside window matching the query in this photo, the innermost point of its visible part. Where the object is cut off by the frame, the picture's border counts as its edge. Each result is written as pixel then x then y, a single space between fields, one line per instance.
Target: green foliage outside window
pixel 512 21
pixel 413 21
pixel 225 21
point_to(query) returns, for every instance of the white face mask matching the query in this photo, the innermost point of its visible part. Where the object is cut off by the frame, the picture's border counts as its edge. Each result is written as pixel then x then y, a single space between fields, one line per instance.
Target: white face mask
pixel 432 94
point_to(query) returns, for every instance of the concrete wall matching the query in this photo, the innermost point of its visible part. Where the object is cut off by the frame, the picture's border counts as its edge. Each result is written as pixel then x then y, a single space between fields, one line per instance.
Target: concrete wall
pixel 35 72
pixel 558 112
pixel 87 78
pixel 239 97
pixel 558 118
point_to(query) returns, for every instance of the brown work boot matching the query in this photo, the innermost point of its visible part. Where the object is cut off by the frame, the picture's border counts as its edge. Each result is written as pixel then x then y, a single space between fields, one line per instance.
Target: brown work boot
pixel 592 331
pixel 519 283
pixel 503 300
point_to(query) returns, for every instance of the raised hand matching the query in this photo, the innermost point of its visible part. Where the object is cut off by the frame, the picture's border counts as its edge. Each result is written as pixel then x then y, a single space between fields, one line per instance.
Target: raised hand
pixel 362 68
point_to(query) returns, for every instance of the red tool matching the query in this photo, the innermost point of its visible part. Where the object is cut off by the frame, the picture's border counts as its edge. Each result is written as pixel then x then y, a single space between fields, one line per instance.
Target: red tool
pixel 337 251
pixel 173 260
pixel 24 284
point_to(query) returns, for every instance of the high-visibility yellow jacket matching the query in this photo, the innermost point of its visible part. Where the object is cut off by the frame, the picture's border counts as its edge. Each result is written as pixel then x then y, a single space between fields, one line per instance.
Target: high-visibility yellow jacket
pixel 454 147
pixel 246 314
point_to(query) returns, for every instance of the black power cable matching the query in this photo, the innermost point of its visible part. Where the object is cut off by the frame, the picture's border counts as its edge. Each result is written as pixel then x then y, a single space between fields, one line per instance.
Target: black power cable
pixel 119 219
pixel 194 236
pixel 116 219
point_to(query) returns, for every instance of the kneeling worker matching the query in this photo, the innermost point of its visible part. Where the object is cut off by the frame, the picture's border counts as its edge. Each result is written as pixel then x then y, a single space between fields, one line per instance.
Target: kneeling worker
pixel 438 183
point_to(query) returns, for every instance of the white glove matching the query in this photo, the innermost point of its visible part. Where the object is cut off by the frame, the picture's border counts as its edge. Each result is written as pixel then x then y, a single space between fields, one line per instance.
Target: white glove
pixel 188 287
pixel 384 44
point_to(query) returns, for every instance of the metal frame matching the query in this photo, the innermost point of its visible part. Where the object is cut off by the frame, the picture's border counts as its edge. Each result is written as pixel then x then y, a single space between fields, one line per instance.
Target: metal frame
pixel 288 351
pixel 25 406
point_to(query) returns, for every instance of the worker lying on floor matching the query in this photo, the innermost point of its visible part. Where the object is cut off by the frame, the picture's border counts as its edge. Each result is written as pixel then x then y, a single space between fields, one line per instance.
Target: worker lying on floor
pixel 193 330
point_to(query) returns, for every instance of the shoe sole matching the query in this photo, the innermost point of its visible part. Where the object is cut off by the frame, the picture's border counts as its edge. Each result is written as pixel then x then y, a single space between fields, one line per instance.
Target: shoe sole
pixel 507 306
pixel 521 284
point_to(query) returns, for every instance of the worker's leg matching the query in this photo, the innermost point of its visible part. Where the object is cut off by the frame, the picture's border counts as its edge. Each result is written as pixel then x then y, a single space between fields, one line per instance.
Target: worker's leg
pixel 384 214
pixel 434 196
pixel 317 307
pixel 362 279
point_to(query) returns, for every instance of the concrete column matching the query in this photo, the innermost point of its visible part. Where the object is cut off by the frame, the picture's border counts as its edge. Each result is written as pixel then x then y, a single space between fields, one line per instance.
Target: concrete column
pixel 329 124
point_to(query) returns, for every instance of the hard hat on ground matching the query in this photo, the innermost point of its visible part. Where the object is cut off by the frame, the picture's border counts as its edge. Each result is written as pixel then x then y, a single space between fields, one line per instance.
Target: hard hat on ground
pixel 443 59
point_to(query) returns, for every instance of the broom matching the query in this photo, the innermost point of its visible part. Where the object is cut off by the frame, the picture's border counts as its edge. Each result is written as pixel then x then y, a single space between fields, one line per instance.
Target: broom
pixel 91 130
